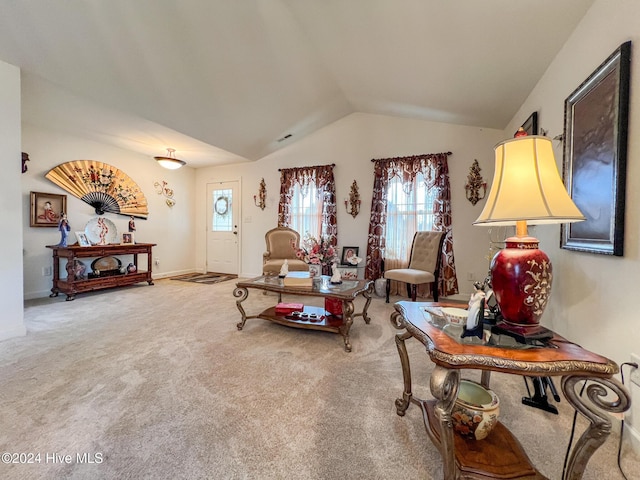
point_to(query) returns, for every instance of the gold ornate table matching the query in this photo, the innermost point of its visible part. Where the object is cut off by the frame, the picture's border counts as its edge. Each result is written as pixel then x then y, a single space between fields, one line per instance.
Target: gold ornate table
pixel 316 318
pixel 500 455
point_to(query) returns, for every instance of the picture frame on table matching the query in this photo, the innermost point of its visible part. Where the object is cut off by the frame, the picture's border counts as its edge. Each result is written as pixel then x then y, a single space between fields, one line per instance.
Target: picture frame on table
pixel 128 238
pixel 315 270
pixel 82 239
pixel 595 156
pixel 348 252
pixel 46 209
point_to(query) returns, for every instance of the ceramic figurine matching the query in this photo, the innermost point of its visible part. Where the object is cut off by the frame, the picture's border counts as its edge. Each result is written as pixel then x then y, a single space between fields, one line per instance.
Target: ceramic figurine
pixel 64 228
pixel 132 224
pixel 284 269
pixel 336 278
pixel 475 317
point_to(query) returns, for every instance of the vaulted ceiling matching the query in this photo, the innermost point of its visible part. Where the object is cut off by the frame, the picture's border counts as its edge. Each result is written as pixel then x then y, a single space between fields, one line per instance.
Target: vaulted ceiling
pixel 224 81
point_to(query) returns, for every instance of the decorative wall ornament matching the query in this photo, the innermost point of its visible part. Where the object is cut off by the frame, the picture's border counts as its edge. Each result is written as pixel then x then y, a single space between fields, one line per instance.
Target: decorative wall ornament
pixel 162 188
pixel 262 195
pixel 104 187
pixel 475 182
pixel 25 159
pixel 353 204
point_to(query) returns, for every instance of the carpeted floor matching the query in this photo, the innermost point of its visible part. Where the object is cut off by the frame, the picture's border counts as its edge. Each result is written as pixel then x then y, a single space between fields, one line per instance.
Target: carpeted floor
pixel 206 278
pixel 156 382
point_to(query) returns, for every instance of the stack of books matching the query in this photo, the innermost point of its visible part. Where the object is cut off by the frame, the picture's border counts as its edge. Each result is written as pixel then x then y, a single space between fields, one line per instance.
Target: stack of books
pixel 287 308
pixel 298 280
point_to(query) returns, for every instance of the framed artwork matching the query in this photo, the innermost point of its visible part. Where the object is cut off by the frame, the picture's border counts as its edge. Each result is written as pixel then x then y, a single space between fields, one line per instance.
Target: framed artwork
pixel 127 238
pixel 46 209
pixel 347 253
pixel 530 125
pixel 595 156
pixel 82 239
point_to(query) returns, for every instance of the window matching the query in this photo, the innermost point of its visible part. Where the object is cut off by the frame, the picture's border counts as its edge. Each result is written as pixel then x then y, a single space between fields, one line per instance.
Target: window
pixel 222 220
pixel 306 210
pixel 308 202
pixel 409 210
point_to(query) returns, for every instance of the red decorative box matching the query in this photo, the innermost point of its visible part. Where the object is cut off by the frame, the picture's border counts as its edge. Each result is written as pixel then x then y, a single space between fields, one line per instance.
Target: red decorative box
pixel 333 306
pixel 287 308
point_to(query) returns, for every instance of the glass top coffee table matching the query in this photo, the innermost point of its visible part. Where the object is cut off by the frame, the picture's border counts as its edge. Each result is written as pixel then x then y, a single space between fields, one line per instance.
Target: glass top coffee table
pixel 310 317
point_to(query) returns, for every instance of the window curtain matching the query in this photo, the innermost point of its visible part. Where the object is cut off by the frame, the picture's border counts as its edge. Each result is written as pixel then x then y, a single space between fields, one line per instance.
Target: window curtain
pixel 435 170
pixel 322 177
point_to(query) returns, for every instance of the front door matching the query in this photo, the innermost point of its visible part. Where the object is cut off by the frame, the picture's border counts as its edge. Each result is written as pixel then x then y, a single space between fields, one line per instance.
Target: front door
pixel 223 215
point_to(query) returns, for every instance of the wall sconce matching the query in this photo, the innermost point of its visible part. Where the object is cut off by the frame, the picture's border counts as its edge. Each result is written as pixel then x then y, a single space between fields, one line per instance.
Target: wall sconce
pixel 262 195
pixel 353 203
pixel 475 183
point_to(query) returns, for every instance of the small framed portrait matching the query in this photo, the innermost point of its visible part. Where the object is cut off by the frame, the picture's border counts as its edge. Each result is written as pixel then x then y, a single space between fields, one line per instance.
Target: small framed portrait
pixel 315 270
pixel 47 209
pixel 127 238
pixel 83 241
pixel 348 253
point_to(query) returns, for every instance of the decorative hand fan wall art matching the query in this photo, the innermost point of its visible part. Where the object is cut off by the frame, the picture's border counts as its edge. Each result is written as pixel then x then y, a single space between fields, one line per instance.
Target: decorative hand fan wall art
pixel 104 187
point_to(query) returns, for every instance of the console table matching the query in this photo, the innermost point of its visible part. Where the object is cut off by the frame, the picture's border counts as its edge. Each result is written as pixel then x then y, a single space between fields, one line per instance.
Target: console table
pixel 316 318
pixel 500 455
pixel 71 285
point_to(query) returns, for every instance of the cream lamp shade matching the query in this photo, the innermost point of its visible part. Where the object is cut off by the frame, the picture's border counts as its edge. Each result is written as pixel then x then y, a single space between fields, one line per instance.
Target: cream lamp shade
pixel 527 186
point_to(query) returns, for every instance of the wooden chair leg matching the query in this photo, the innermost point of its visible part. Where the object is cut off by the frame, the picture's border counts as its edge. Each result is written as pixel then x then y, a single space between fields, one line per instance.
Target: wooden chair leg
pixel 435 291
pixel 388 289
pixel 414 292
pixel 409 286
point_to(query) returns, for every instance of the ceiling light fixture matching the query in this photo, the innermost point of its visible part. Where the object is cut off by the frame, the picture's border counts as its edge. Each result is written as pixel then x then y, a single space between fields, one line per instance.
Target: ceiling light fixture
pixel 170 161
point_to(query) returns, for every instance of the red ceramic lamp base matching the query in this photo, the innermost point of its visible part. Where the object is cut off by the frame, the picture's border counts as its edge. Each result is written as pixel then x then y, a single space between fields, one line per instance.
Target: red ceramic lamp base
pixel 521 278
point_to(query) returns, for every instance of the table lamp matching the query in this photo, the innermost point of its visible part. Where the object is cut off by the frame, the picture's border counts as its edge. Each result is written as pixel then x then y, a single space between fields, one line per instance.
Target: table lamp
pixel 526 189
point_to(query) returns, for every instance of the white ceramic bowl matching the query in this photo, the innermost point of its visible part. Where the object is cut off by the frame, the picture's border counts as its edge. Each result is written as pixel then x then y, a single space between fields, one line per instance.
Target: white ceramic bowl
pixel 475 411
pixel 455 316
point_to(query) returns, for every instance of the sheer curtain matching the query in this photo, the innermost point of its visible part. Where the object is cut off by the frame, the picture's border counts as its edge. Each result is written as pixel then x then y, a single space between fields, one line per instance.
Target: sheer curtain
pixel 410 194
pixel 308 201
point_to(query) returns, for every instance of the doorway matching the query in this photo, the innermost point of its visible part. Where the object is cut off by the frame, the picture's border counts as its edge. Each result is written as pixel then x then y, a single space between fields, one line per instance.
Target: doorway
pixel 223 219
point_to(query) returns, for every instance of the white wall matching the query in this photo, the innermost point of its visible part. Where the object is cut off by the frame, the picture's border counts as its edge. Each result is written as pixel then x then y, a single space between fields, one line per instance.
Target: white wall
pixel 592 301
pixel 351 143
pixel 172 229
pixel 11 320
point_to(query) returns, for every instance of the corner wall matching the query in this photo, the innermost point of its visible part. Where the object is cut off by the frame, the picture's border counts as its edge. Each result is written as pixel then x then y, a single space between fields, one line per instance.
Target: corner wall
pixel 592 301
pixel 171 228
pixel 11 299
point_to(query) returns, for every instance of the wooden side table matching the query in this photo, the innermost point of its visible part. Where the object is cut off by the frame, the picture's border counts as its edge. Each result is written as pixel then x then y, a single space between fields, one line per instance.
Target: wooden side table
pixel 500 455
pixel 71 285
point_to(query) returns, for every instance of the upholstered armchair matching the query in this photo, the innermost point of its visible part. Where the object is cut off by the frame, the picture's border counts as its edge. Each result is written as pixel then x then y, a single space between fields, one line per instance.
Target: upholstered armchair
pixel 282 243
pixel 424 264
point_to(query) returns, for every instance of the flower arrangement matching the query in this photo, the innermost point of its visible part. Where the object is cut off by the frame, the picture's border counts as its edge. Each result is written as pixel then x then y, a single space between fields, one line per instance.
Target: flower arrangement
pixel 316 252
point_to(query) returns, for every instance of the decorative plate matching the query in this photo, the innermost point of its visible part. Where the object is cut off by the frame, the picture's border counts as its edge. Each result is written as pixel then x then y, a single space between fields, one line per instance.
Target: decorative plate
pixel 106 264
pixel 101 231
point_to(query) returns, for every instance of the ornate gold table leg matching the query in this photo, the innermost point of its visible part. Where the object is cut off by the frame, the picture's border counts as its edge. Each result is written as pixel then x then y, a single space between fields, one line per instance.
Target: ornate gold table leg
pixel 592 408
pixel 347 312
pixel 367 295
pixel 444 385
pixel 403 403
pixel 241 293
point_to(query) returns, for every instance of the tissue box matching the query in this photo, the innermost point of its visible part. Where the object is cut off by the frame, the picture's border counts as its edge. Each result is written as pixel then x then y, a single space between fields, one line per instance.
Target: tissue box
pixel 287 308
pixel 333 306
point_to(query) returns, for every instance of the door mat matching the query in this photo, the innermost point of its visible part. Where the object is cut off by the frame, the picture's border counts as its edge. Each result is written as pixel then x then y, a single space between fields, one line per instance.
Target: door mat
pixel 206 278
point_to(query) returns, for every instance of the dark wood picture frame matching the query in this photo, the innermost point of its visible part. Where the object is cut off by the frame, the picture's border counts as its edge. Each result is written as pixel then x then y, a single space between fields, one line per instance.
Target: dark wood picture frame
pixel 46 209
pixel 530 125
pixel 595 156
pixel 345 251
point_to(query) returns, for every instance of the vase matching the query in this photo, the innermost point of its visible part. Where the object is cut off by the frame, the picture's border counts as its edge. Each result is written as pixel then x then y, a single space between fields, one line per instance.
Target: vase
pixel 475 411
